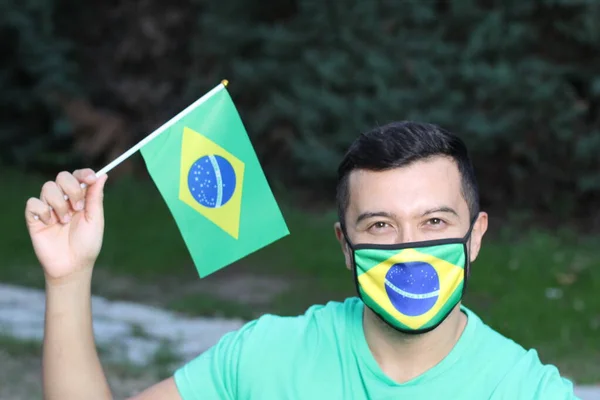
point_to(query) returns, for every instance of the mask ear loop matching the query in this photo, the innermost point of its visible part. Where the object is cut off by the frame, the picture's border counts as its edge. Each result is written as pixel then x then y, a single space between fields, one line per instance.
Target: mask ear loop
pixel 466 245
pixel 353 257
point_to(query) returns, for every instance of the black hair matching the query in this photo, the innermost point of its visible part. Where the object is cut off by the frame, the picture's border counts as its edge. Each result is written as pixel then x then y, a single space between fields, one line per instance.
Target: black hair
pixel 399 144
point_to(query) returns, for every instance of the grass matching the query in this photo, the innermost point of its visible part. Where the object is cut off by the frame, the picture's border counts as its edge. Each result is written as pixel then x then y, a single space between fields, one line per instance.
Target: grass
pixel 20 367
pixel 204 304
pixel 541 290
pixel 537 287
pixel 20 347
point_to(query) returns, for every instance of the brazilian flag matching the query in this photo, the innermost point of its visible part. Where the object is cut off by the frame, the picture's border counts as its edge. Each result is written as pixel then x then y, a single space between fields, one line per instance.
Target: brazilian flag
pixel 206 170
pixel 414 286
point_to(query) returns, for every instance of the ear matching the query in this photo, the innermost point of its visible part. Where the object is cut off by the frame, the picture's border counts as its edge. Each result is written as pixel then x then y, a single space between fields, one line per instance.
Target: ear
pixel 339 234
pixel 479 229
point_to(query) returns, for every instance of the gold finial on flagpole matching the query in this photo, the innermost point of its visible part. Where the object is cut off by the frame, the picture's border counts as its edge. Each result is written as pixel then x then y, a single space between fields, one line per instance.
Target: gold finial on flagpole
pixel 225 82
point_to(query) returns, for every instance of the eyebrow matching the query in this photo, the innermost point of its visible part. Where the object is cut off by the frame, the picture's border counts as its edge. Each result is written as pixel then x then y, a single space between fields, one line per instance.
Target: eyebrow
pixel 367 215
pixel 442 209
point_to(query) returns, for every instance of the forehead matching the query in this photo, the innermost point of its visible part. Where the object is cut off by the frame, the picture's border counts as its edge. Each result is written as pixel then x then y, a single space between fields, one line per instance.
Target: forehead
pixel 409 190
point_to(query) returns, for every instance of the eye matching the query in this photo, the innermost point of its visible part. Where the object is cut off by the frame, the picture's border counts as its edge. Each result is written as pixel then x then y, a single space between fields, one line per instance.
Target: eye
pixel 435 222
pixel 380 225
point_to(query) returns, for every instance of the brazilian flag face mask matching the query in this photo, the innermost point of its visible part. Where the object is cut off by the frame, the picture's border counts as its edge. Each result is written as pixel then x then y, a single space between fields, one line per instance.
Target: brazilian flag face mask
pixel 414 286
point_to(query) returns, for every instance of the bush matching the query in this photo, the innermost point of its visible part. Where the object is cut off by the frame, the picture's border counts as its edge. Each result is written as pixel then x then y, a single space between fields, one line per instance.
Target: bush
pixel 518 82
pixel 36 67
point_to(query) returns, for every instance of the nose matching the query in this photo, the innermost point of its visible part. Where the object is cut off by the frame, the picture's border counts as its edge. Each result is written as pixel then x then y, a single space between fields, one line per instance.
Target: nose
pixel 406 234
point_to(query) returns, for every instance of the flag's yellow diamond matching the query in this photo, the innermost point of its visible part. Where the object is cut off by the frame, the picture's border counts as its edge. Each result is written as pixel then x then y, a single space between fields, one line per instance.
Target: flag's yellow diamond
pixel 447 276
pixel 211 181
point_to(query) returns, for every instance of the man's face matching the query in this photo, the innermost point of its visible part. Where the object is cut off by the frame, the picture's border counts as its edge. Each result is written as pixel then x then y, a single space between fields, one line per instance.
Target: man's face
pixel 422 201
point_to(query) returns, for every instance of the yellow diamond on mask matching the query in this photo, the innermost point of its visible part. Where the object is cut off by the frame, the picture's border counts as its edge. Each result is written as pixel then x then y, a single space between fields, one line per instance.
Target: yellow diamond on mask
pixel 411 286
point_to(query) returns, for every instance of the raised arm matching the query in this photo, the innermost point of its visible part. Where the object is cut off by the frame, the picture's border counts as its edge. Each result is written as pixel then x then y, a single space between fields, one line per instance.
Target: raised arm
pixel 66 225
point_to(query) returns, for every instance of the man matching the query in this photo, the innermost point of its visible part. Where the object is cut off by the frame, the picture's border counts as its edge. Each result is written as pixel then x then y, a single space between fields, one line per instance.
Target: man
pixel 409 228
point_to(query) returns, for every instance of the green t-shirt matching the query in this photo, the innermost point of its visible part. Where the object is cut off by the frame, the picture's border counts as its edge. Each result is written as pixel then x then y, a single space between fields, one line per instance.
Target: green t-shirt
pixel 323 354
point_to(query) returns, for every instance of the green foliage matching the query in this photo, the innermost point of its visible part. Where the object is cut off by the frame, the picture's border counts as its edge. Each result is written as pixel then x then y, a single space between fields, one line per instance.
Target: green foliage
pixel 519 82
pixel 36 68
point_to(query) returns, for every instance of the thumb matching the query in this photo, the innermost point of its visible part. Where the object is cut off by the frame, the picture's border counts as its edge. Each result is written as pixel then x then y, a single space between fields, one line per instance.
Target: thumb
pixel 94 199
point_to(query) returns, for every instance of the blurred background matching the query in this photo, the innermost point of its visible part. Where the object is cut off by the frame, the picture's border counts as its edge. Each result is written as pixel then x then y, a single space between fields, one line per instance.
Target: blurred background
pixel 519 81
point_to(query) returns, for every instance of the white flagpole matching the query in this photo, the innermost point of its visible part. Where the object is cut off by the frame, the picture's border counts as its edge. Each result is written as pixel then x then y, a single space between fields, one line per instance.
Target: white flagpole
pixel 160 130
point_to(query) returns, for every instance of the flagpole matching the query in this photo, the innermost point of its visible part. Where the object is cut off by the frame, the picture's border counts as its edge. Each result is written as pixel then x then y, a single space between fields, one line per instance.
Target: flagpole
pixel 160 130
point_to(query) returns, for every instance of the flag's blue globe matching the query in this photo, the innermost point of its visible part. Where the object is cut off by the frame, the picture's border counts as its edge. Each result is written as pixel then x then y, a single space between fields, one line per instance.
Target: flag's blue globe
pixel 412 287
pixel 212 181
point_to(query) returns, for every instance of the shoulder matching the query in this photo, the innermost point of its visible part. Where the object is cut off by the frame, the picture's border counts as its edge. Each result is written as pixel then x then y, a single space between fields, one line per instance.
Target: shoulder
pixel 531 379
pixel 522 375
pixel 276 343
pixel 274 340
pixel 271 333
pixel 265 347
pixel 317 321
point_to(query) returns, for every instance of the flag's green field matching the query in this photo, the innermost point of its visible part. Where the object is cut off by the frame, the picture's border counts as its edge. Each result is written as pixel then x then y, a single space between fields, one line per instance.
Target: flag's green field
pixel 539 288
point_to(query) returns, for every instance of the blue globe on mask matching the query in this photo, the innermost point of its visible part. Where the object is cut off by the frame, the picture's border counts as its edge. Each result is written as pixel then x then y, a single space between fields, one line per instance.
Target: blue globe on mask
pixel 412 287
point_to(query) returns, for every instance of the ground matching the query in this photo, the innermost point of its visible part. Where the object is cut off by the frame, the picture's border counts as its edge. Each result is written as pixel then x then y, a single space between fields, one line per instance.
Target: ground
pixel 538 287
pixel 21 375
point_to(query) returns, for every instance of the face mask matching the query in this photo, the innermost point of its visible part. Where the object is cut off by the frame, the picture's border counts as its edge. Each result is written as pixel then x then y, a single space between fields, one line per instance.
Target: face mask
pixel 413 287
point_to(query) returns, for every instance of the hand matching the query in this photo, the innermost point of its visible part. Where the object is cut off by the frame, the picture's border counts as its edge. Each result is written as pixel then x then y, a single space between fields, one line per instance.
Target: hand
pixel 66 223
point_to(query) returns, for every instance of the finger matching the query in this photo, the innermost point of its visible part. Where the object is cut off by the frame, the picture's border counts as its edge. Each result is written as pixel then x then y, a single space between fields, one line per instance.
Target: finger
pixel 86 177
pixel 37 211
pixel 70 187
pixel 55 198
pixel 94 199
